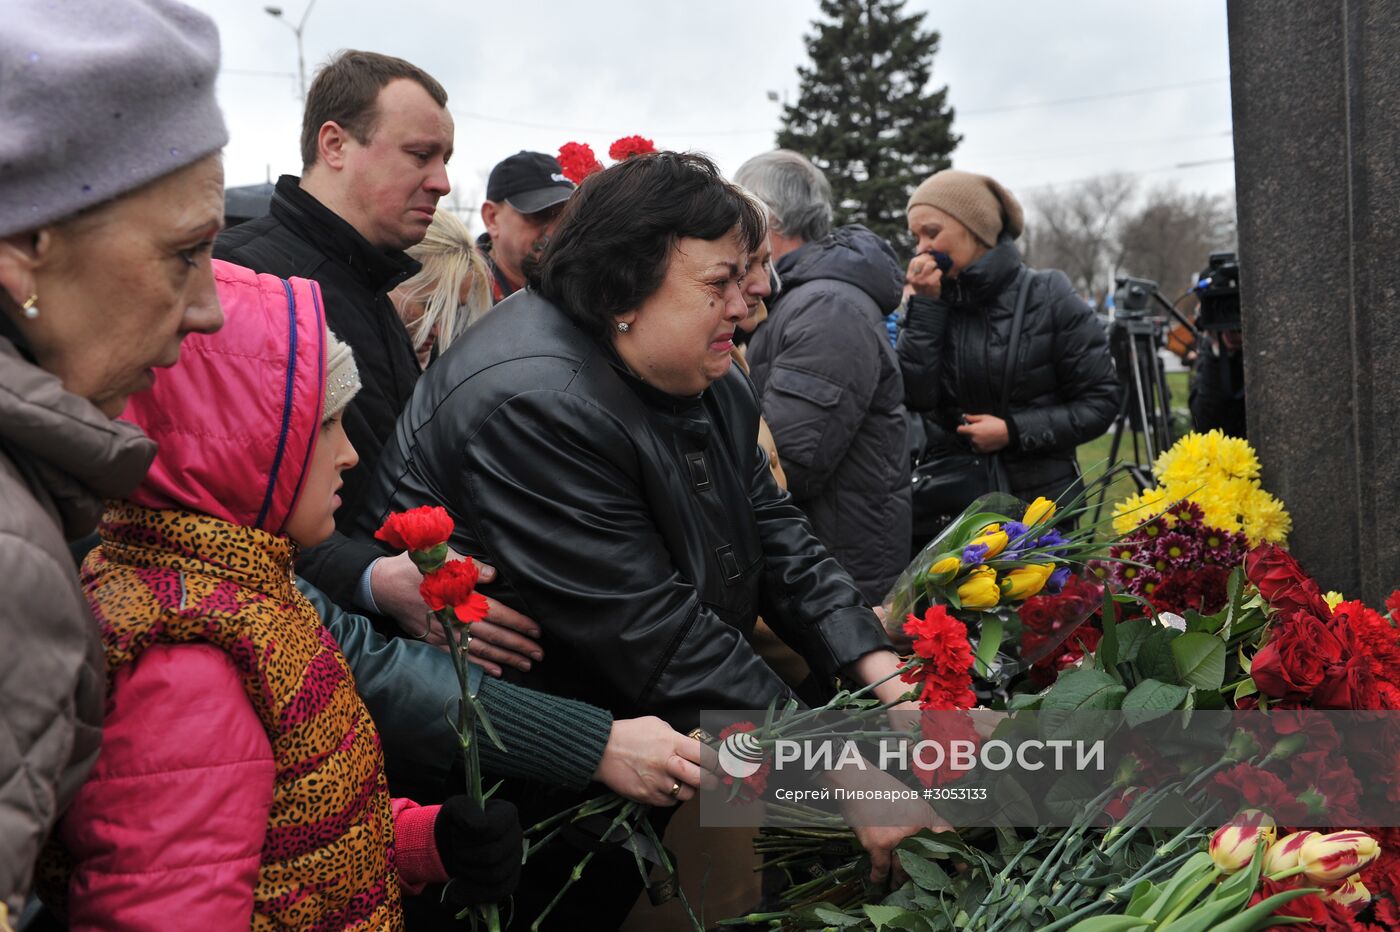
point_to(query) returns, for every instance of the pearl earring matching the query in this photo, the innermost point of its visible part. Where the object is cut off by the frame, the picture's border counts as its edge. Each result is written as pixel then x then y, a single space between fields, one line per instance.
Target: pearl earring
pixel 31 307
pixel 623 326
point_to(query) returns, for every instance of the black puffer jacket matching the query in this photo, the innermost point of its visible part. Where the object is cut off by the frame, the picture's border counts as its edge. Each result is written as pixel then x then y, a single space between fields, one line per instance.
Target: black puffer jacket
pixel 303 237
pixel 832 394
pixel 1064 391
pixel 644 533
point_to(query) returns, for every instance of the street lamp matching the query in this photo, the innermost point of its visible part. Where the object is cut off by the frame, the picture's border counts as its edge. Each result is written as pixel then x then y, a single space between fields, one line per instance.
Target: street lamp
pixel 276 13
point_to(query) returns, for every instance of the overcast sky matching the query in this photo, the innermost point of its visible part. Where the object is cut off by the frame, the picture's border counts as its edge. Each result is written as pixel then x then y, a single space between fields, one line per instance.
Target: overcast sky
pixel 1044 93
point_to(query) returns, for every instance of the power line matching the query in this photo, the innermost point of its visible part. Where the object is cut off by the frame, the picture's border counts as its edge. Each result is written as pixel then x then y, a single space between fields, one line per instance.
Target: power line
pixel 1142 171
pixel 1116 144
pixel 1029 105
pixel 1034 104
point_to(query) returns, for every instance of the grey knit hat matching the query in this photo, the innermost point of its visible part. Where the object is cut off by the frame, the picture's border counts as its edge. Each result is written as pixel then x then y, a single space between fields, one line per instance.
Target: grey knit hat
pixel 977 202
pixel 97 98
pixel 342 377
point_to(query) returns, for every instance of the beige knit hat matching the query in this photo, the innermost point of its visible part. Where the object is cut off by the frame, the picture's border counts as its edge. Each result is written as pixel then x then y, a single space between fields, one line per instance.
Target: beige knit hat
pixel 342 378
pixel 977 202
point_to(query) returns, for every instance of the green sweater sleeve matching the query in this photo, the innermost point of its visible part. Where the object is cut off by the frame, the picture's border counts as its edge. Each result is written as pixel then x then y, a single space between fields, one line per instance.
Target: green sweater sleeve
pixel 408 685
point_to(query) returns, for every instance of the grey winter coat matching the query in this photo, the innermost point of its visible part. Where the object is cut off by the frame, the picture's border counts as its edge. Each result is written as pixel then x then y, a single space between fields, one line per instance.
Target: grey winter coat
pixel 59 457
pixel 831 391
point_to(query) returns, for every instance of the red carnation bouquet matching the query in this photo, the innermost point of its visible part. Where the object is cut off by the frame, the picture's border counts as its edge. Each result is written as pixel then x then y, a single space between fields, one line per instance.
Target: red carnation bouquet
pixel 449 590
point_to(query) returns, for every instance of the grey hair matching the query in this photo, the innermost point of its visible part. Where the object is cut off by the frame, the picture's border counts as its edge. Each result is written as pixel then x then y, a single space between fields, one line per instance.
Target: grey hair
pixel 795 189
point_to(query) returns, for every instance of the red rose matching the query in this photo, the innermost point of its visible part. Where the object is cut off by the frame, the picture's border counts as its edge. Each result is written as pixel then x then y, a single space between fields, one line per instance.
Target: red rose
pixel 1296 658
pixel 628 146
pixel 577 161
pixel 453 586
pixel 1282 582
pixel 417 529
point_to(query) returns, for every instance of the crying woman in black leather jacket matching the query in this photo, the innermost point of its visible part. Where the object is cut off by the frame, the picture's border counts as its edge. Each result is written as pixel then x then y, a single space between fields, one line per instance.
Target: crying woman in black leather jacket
pixel 594 444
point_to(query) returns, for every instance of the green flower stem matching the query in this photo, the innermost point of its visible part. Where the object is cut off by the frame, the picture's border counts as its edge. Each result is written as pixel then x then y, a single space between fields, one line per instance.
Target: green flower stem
pixel 650 831
pixel 627 811
pixel 1002 876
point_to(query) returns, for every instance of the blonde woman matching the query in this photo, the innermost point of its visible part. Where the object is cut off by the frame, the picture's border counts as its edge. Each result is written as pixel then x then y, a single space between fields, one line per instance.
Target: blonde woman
pixel 449 294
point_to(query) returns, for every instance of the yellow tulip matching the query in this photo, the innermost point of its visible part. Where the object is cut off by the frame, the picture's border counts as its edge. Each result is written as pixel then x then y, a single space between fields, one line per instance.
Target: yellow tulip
pixel 943 570
pixel 1025 581
pixel 1042 509
pixel 1233 845
pixel 995 542
pixel 1331 858
pixel 1283 854
pixel 1352 893
pixel 980 589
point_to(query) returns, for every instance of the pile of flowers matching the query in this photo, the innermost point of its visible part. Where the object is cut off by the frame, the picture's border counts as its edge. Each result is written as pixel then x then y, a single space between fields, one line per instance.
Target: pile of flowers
pixel 1314 655
pixel 578 161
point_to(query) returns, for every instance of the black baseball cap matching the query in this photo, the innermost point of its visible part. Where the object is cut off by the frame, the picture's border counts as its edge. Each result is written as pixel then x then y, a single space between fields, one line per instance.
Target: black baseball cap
pixel 529 182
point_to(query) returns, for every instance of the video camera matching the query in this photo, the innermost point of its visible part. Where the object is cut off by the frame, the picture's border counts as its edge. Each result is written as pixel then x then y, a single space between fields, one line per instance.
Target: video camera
pixel 1133 297
pixel 1219 292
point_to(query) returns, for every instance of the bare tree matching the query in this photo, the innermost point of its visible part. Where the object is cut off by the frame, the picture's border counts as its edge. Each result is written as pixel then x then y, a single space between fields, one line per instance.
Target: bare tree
pixel 1169 237
pixel 1076 229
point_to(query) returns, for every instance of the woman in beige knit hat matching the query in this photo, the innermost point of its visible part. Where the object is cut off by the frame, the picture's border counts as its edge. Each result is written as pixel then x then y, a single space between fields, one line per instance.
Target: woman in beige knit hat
pixel 993 423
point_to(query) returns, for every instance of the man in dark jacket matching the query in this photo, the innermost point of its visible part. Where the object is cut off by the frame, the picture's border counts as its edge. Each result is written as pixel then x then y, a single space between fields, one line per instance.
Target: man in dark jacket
pixel 827 376
pixel 525 195
pixel 376 138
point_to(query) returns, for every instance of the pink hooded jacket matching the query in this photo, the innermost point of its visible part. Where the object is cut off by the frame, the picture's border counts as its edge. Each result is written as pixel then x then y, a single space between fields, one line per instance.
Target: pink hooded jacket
pixel 169 828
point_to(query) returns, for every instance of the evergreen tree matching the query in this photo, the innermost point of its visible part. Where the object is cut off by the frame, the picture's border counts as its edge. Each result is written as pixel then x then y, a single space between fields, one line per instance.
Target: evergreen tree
pixel 864 114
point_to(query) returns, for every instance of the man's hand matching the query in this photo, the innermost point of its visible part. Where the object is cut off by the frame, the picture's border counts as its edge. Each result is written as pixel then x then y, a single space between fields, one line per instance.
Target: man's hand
pixel 504 637
pixel 645 758
pixel 987 432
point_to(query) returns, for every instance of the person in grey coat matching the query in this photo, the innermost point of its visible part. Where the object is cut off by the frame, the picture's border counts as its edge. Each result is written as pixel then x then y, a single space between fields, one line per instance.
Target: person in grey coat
pixel 111 191
pixel 827 377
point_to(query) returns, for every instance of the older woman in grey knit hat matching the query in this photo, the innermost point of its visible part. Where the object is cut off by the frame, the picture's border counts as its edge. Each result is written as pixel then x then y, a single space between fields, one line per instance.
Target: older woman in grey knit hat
pixel 111 191
pixel 1006 395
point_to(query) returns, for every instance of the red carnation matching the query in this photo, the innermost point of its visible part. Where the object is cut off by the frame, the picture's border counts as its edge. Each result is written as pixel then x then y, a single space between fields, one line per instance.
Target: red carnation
pixel 945 673
pixel 1283 584
pixel 1380 645
pixel 628 146
pixel 1254 788
pixel 754 784
pixel 453 586
pixel 577 161
pixel 419 529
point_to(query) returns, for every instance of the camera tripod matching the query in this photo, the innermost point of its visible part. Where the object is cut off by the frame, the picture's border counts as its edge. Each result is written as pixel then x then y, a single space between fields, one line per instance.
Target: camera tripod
pixel 1145 412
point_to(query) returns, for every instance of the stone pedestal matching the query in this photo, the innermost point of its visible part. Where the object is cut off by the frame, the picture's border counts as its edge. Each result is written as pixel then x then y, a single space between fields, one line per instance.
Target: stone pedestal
pixel 1316 97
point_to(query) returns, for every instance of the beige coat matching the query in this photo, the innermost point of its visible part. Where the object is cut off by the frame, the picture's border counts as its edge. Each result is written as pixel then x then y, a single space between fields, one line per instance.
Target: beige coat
pixel 59 457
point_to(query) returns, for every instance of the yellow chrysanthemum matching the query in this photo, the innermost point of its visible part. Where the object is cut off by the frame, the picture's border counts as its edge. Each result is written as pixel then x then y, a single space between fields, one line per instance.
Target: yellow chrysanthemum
pixel 1218 473
pixel 1235 457
pixel 1333 598
pixel 1265 520
pixel 1136 509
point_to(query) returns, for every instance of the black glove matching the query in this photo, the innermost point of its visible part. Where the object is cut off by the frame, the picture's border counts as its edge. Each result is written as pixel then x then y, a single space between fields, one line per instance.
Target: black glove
pixel 481 850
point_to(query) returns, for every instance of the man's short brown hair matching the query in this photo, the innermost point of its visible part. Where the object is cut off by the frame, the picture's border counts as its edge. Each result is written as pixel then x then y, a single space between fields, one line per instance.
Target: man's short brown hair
pixel 345 91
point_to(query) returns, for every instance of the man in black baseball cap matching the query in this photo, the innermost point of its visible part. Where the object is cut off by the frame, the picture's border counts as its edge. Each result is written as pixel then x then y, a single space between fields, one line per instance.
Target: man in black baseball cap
pixel 524 197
